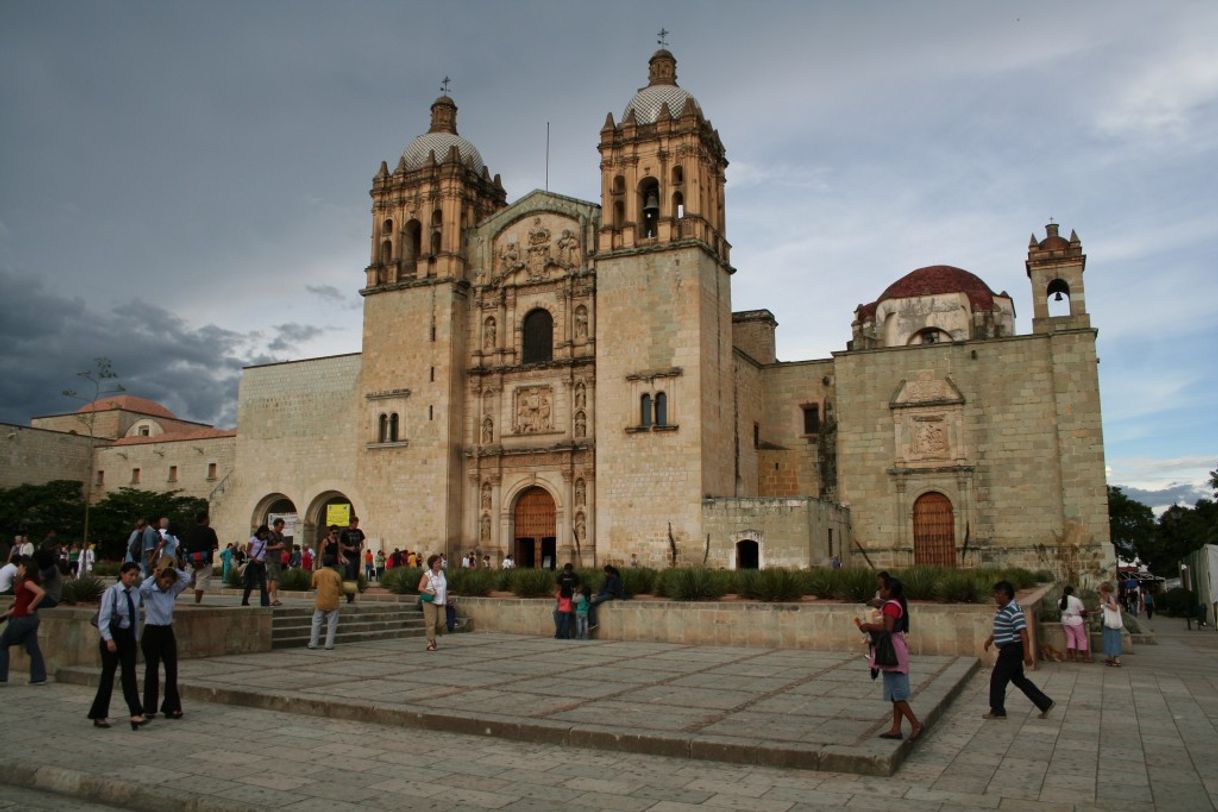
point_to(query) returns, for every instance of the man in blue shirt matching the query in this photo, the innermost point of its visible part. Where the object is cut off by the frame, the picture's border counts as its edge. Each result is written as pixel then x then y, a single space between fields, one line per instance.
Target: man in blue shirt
pixel 1011 637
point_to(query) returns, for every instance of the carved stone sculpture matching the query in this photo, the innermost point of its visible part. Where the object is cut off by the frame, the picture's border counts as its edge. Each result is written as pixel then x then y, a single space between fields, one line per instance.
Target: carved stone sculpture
pixel 568 249
pixel 486 496
pixel 581 528
pixel 581 323
pixel 488 333
pixel 509 259
pixel 539 250
pixel 488 431
pixel 581 424
pixel 581 395
pixel 581 492
pixel 484 531
pixel 533 409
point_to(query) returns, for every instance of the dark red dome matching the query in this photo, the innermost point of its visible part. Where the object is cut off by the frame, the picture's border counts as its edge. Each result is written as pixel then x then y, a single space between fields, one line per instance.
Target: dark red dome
pixel 936 279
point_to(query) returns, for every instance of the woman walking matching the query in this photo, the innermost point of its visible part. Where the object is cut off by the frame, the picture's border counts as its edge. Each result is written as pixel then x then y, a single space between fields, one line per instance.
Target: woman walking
pixel 22 628
pixel 118 622
pixel 1112 625
pixel 1074 626
pixel 433 583
pixel 158 643
pixel 896 677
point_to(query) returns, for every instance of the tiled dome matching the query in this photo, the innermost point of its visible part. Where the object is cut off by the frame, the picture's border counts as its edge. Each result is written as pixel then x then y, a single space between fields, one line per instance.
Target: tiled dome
pixel 647 102
pixel 417 151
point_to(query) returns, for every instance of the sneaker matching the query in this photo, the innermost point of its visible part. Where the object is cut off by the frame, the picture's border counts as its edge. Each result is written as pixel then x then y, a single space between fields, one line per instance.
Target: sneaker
pixel 1044 714
pixel 992 715
pixel 310 646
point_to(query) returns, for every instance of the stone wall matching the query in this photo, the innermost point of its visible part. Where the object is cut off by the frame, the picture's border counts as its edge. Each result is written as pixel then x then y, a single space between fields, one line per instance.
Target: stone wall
pixel 192 460
pixel 32 456
pixel 949 629
pixel 790 532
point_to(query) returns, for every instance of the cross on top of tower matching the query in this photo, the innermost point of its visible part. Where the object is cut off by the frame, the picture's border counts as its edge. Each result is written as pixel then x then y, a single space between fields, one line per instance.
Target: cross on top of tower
pixel 662 38
pixel 444 85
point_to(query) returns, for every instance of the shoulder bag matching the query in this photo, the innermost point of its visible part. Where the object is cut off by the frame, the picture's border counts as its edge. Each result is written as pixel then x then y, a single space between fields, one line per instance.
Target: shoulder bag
pixel 1112 619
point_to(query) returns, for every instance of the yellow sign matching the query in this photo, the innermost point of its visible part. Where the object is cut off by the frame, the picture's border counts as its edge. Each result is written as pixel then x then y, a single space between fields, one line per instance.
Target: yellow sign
pixel 338 514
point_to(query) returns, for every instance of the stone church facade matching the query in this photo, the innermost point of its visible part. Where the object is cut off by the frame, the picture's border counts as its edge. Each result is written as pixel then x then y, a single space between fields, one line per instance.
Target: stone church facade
pixel 562 379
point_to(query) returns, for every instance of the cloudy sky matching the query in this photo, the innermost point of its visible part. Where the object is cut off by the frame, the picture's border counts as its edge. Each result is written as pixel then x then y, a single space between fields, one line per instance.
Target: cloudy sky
pixel 184 186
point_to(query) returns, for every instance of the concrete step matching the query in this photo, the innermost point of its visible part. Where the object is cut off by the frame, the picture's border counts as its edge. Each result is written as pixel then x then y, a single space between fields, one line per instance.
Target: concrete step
pixel 345 636
pixel 293 617
pixel 354 625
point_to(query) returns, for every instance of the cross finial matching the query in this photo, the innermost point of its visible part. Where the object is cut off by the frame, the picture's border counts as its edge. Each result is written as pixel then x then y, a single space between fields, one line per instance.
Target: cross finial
pixel 444 85
pixel 662 41
pixel 1050 221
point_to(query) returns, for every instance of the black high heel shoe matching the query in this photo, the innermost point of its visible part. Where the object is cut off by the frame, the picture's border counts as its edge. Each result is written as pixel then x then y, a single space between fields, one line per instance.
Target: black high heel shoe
pixel 137 725
pixel 100 723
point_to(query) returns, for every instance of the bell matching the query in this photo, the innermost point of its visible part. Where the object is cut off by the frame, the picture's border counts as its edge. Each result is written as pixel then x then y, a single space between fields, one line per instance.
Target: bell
pixel 1058 296
pixel 651 206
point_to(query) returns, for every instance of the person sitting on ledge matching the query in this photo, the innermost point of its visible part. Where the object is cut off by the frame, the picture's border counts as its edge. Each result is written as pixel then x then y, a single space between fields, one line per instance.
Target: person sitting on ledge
pixel 611 590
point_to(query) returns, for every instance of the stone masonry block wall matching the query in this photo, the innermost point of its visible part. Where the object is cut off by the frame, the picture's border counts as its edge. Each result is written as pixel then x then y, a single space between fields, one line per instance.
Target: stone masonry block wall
pixel 192 459
pixel 34 456
pixel 794 532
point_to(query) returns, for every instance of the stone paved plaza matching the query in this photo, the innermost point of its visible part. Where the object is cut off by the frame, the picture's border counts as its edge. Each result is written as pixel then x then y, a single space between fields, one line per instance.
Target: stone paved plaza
pixel 1139 736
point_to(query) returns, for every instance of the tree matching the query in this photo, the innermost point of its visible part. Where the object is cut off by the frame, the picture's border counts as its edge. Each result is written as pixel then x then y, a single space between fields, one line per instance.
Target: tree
pixel 1131 525
pixel 1214 482
pixel 33 510
pixel 1180 531
pixel 97 378
pixel 114 517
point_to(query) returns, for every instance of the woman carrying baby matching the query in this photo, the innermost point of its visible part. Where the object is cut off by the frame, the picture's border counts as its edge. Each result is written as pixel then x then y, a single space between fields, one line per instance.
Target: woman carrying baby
pixel 894 622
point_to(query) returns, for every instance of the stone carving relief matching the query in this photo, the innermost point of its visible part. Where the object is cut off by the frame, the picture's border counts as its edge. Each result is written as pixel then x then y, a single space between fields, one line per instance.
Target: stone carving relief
pixel 581 528
pixel 539 250
pixel 486 496
pixel 581 492
pixel 581 395
pixel 568 249
pixel 927 389
pixel 581 424
pixel 509 259
pixel 930 438
pixel 534 409
pixel 928 423
pixel 488 431
pixel 484 530
pixel 581 323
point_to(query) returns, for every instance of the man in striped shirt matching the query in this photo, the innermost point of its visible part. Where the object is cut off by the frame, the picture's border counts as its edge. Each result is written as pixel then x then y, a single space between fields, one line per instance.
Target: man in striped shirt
pixel 1011 637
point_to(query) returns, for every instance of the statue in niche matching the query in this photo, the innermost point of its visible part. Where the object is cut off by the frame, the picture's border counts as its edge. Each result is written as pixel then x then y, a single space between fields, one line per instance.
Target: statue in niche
pixel 509 259
pixel 581 323
pixel 580 492
pixel 486 496
pixel 581 424
pixel 488 333
pixel 488 431
pixel 581 528
pixel 568 249
pixel 484 531
pixel 581 395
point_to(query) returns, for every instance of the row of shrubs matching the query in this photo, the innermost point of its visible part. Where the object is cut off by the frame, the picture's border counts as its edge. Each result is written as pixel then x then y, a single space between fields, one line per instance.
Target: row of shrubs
pixel 700 584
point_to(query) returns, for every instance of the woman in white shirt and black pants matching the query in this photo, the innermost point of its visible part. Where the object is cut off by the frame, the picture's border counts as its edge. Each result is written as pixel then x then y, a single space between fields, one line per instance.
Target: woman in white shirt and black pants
pixel 118 622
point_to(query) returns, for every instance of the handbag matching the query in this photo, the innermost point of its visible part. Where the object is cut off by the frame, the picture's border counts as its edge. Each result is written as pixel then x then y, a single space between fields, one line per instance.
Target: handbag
pixel 885 651
pixel 113 615
pixel 427 597
pixel 350 587
pixel 1112 619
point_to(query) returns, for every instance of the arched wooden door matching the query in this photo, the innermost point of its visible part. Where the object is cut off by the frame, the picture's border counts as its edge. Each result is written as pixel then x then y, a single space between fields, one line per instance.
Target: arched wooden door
pixel 934 530
pixel 535 529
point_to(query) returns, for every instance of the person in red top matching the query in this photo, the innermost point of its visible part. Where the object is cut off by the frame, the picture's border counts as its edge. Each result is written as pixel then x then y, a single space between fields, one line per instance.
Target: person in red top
pixel 22 628
pixel 306 560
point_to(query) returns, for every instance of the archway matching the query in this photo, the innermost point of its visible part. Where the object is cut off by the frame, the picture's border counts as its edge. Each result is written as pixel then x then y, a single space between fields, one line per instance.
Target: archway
pixel 1057 298
pixel 748 555
pixel 534 529
pixel 934 530
pixel 277 506
pixel 330 507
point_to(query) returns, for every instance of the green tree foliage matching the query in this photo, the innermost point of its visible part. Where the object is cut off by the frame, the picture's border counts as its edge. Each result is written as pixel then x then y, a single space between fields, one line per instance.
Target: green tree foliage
pixel 1180 531
pixel 1131 523
pixel 114 517
pixel 33 510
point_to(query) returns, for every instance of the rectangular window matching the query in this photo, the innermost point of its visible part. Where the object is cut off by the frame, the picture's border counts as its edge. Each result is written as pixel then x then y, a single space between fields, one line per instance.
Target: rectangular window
pixel 211 470
pixel 431 413
pixel 756 435
pixel 101 478
pixel 830 541
pixel 135 476
pixel 433 373
pixel 144 431
pixel 173 473
pixel 812 419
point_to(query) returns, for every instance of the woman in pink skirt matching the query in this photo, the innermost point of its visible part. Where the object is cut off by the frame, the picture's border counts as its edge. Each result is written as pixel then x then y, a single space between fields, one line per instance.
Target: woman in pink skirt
pixel 1074 626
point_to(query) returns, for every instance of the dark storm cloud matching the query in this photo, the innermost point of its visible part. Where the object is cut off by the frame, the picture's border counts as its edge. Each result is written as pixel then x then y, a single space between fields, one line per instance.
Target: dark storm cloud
pixel 194 371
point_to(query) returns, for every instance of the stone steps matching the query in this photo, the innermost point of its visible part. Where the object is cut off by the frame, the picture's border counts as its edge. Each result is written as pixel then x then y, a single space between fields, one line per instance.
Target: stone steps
pixel 290 625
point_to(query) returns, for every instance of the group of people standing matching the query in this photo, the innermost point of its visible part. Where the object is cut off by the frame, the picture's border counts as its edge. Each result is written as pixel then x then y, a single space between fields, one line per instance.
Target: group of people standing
pixel 575 605
pixel 1074 625
pixel 263 564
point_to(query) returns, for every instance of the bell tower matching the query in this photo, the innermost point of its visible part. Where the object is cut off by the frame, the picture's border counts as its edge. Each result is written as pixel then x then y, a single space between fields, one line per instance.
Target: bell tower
pixel 664 324
pixel 1055 268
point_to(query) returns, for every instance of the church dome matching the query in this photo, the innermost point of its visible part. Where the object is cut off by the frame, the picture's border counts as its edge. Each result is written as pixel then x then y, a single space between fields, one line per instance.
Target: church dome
pixel 440 139
pixel 662 89
pixel 933 280
pixel 417 151
pixel 128 403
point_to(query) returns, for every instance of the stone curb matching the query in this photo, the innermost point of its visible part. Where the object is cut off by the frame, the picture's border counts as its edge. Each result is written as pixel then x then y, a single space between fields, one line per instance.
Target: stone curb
pixel 878 758
pixel 107 790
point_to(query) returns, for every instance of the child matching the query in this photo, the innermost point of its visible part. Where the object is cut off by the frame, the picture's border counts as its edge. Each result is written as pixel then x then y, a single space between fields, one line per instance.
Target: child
pixel 562 613
pixel 329 586
pixel 582 601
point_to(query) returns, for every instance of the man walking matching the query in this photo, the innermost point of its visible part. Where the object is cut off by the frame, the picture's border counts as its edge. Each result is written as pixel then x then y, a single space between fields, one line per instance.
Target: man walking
pixel 1011 637
pixel 200 543
pixel 351 541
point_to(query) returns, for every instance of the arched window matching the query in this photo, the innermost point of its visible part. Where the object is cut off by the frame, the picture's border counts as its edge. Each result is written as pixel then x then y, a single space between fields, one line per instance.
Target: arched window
pixel 393 427
pixel 649 207
pixel 931 335
pixel 382 428
pixel 645 411
pixel 678 205
pixel 387 228
pixel 386 252
pixel 661 409
pixel 437 229
pixel 538 337
pixel 618 191
pixel 412 237
pixel 1058 296
pixel 678 175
